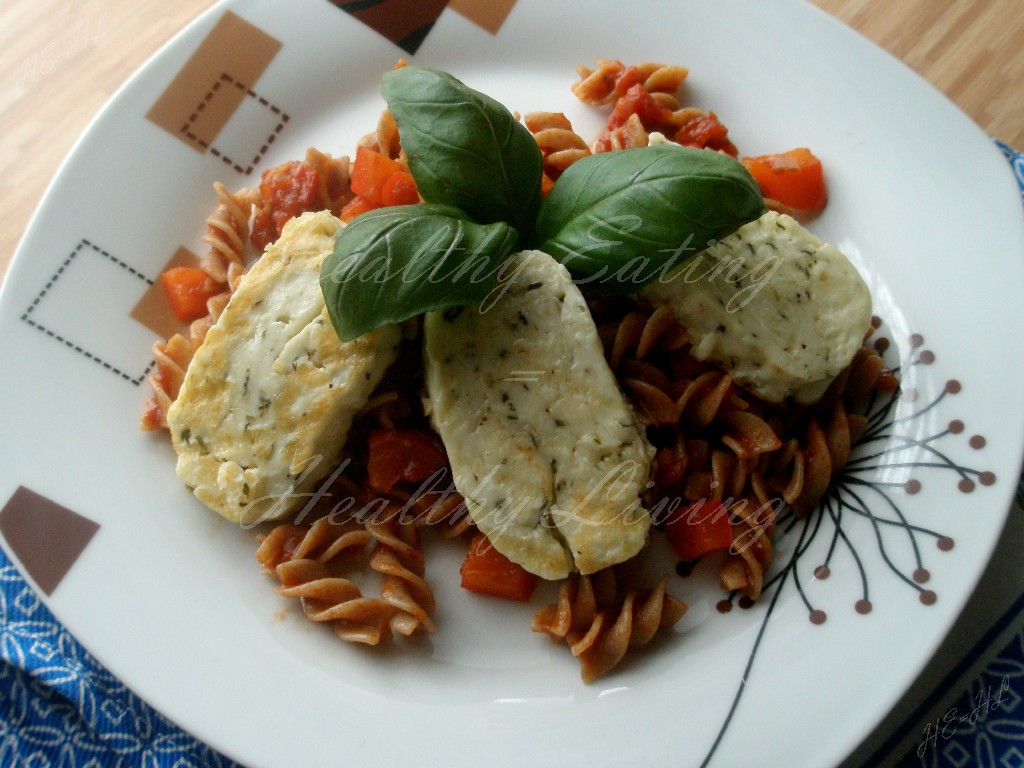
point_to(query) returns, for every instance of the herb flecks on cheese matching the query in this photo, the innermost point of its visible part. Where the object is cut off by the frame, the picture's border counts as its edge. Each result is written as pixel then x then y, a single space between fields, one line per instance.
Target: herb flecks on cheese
pixel 270 395
pixel 781 311
pixel 542 443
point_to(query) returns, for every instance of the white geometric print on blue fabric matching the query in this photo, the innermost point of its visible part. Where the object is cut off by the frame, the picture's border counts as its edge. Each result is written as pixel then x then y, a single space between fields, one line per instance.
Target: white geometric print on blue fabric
pixel 59 707
pixel 1016 161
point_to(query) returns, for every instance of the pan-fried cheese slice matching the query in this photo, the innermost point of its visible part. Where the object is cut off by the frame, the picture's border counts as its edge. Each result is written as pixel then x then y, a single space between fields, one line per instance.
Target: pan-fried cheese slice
pixel 782 312
pixel 543 445
pixel 269 397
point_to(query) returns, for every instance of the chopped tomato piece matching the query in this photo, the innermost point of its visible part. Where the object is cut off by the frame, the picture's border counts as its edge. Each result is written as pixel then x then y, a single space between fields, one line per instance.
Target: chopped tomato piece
pixel 188 290
pixel 150 419
pixel 699 529
pixel 370 172
pixel 287 190
pixel 637 101
pixel 398 455
pixel 706 132
pixel 630 76
pixel 400 189
pixel 671 465
pixel 488 572
pixel 793 178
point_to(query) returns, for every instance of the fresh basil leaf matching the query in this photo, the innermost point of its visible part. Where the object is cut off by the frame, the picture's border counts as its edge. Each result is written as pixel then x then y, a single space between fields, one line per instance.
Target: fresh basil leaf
pixel 464 148
pixel 394 263
pixel 618 220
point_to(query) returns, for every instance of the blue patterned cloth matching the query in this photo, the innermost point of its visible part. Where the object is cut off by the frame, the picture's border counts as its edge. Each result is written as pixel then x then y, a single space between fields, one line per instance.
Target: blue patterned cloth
pixel 60 707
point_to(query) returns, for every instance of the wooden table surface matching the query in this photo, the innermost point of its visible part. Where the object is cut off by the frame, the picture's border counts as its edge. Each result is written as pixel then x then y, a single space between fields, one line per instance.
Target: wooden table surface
pixel 62 60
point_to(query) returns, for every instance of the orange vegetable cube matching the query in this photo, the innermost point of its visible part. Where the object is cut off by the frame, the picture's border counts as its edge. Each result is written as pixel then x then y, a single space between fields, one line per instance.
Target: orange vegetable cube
pixel 699 529
pixel 793 178
pixel 370 172
pixel 488 572
pixel 400 189
pixel 188 289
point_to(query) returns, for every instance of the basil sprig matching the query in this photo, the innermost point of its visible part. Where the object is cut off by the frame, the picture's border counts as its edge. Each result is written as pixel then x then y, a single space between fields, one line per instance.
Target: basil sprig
pixel 617 220
pixel 394 263
pixel 464 148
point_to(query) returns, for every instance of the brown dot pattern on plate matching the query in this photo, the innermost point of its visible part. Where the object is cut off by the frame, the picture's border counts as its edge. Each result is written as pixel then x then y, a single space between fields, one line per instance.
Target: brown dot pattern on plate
pixel 956 426
pixel 987 478
pixel 953 387
pixel 945 543
pixel 927 357
pixel 921 575
pixel 927 597
pixel 822 572
pixel 863 607
pixel 977 442
pixel 817 616
pixel 966 485
pixel 723 606
pixel 912 486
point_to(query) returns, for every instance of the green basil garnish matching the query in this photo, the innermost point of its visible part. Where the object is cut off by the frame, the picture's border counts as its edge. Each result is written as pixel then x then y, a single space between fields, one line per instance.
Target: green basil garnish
pixel 617 220
pixel 394 263
pixel 464 148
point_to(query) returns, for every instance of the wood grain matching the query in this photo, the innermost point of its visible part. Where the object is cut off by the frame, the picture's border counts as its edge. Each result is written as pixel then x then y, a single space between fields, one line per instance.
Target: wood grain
pixel 62 61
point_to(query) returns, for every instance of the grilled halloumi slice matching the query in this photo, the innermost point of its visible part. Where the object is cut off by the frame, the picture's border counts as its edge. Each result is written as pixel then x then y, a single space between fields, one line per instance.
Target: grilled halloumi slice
pixel 543 445
pixel 781 311
pixel 269 397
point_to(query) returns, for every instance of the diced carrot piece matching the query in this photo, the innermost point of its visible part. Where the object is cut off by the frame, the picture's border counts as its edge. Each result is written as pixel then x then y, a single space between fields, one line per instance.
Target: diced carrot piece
pixel 699 529
pixel 370 173
pixel 488 572
pixel 545 185
pixel 354 207
pixel 398 455
pixel 188 289
pixel 793 178
pixel 400 189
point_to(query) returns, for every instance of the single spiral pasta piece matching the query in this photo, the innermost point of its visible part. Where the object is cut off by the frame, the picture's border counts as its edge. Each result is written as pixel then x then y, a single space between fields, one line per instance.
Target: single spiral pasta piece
pixel 303 557
pixel 384 139
pixel 601 622
pixel 300 558
pixel 559 144
pixel 753 528
pixel 398 558
pixel 333 175
pixel 227 232
pixel 171 360
pixel 214 308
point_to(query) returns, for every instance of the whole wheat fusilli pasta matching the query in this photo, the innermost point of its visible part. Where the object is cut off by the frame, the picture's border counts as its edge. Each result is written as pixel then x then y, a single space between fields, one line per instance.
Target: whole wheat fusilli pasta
pixel 601 621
